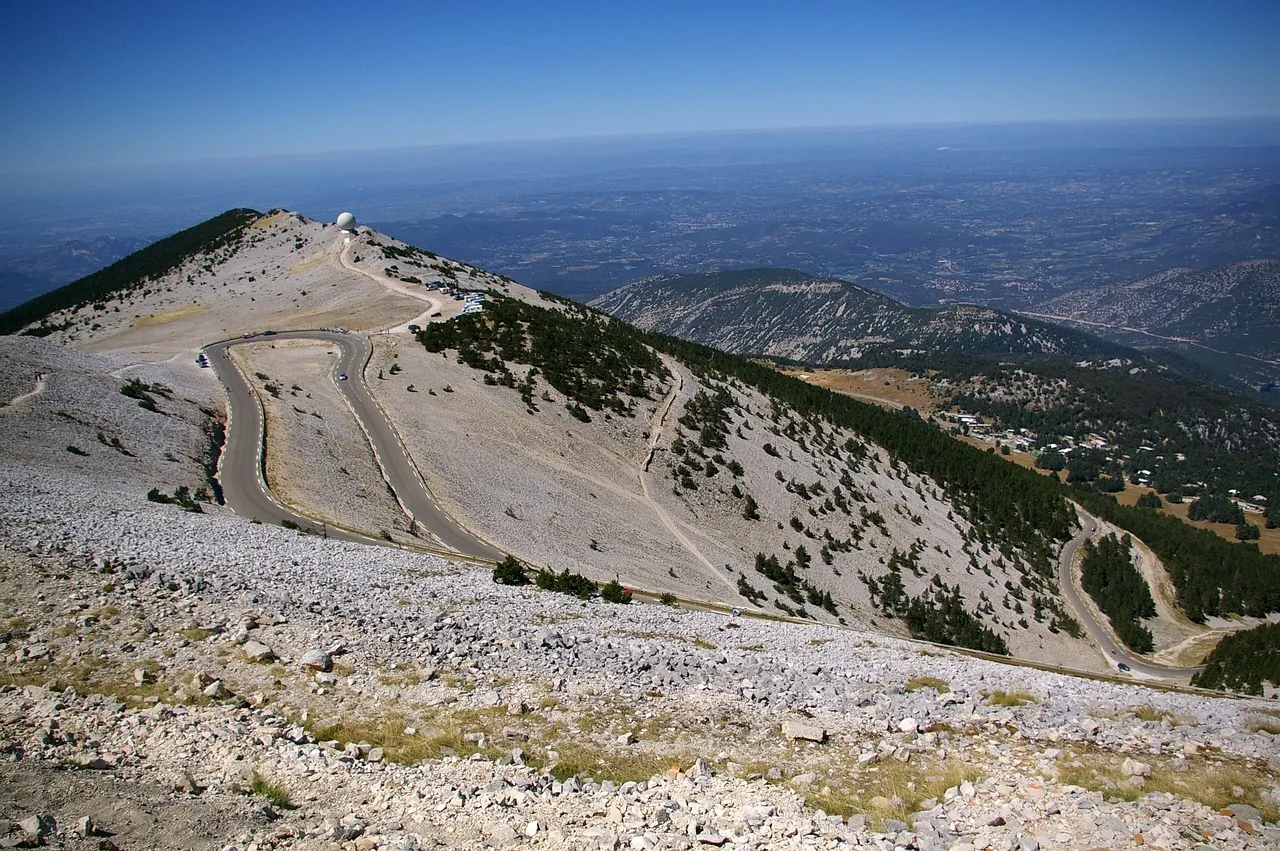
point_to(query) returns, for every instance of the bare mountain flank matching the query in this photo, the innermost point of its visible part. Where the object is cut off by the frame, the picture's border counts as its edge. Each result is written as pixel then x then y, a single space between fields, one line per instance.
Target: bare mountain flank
pixel 1235 307
pixel 790 314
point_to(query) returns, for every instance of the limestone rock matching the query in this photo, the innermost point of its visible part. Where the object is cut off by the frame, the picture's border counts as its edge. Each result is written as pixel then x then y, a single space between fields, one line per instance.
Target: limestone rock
pixel 801 731
pixel 256 651
pixel 316 660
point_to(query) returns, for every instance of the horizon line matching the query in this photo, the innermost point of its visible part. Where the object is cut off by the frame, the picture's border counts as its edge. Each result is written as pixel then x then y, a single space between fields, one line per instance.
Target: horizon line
pixel 533 141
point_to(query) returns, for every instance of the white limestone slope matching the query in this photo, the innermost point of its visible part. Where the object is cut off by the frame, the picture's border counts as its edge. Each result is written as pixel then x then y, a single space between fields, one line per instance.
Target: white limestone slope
pixel 554 490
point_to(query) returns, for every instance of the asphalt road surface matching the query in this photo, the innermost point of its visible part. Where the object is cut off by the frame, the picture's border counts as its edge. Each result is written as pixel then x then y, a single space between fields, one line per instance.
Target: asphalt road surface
pixel 241 471
pixel 1114 652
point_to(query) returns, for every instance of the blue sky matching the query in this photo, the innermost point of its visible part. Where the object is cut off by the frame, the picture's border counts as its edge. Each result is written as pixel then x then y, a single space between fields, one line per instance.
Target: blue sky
pixel 103 85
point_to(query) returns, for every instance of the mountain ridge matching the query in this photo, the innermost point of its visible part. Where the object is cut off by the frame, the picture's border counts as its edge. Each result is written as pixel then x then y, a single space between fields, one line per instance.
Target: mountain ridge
pixel 1225 318
pixel 530 362
pixel 791 314
pixel 277 677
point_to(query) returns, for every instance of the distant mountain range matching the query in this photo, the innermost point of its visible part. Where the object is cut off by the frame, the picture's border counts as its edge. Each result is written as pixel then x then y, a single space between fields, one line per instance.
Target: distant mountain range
pixel 1232 309
pixel 26 272
pixel 790 314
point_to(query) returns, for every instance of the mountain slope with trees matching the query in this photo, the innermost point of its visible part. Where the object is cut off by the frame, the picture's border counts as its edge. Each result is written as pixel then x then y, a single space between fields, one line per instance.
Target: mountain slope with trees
pixel 808 499
pixel 790 314
pixel 1235 307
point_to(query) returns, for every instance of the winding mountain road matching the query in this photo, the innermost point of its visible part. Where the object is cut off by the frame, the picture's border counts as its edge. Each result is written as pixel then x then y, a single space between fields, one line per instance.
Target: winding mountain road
pixel 1114 652
pixel 243 458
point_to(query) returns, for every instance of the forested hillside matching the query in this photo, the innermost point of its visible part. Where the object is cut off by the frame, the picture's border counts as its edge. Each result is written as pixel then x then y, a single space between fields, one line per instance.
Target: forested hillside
pixel 1244 661
pixel 1005 501
pixel 1108 575
pixel 1183 431
pixel 1212 576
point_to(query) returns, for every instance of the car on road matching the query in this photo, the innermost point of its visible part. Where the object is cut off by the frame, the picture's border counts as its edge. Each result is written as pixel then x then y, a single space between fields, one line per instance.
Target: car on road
pixel 1122 666
pixel 269 333
pixel 342 376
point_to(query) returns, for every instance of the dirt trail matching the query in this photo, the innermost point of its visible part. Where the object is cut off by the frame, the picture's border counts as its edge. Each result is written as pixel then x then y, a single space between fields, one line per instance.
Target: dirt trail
pixel 18 400
pixel 119 373
pixel 660 415
pixel 655 437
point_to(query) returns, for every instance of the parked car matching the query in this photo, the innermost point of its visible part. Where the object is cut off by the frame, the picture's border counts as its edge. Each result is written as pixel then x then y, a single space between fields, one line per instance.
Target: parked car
pixel 434 315
pixel 414 329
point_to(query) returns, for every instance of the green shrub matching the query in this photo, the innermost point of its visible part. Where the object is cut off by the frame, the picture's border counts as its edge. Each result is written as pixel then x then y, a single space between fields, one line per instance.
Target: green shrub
pixel 565 582
pixel 276 795
pixel 510 572
pixel 1149 500
pixel 613 592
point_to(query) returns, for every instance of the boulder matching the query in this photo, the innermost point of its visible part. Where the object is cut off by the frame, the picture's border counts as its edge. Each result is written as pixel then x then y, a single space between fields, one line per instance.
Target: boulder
pixel 36 827
pixel 216 690
pixel 1133 768
pixel 800 731
pixel 256 651
pixel 316 660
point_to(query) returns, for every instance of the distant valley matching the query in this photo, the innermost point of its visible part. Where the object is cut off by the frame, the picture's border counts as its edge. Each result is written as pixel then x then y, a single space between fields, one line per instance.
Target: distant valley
pixel 28 270
pixel 1147 419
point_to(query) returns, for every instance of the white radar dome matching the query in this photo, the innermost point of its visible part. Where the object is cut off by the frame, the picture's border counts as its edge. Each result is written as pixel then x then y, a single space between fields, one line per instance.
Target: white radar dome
pixel 346 221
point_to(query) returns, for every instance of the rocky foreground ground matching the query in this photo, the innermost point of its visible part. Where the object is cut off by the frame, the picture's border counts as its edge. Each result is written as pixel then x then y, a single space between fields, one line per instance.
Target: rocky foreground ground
pixel 185 680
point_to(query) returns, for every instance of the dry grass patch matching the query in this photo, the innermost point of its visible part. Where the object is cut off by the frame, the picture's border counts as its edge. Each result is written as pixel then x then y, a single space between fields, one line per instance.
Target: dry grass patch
pixel 1214 782
pixel 1150 713
pixel 1263 725
pixel 408 677
pixel 433 736
pixel 939 685
pixel 888 788
pixel 999 697
pixel 616 764
pixel 90 677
